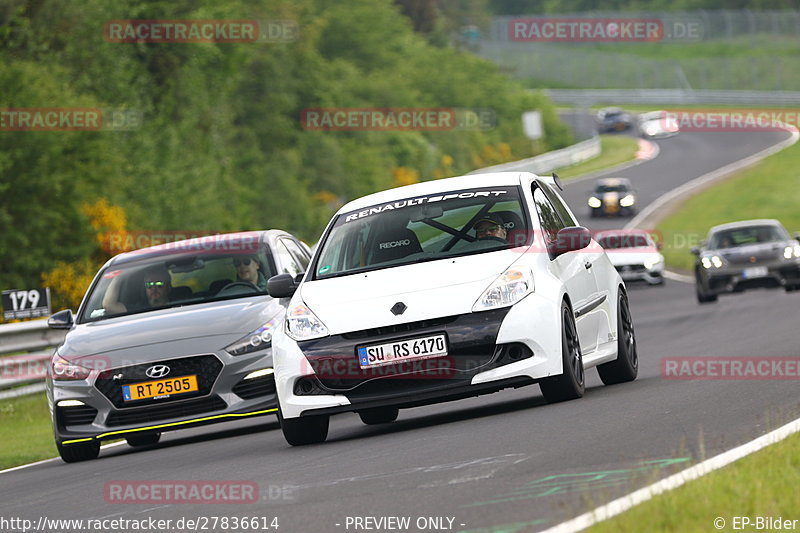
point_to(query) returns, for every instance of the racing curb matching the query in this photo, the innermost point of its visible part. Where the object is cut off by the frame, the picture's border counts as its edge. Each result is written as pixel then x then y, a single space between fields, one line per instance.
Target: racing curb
pixel 647 150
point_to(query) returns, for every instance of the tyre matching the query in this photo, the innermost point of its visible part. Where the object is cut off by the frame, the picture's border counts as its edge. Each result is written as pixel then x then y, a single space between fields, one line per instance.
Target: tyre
pixel 379 415
pixel 143 439
pixel 81 451
pixel 305 429
pixel 702 296
pixel 570 384
pixel 626 366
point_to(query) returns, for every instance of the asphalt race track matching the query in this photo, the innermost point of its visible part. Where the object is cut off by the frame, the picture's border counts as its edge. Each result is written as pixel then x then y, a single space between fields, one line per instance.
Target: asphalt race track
pixel 502 459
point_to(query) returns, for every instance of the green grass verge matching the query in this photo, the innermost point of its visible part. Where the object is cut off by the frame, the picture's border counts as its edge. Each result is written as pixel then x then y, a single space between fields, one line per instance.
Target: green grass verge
pixel 616 149
pixel 761 484
pixel 771 189
pixel 27 435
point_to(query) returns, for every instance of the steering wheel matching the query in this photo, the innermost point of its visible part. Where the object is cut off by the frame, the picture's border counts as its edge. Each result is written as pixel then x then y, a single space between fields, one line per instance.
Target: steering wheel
pixel 237 285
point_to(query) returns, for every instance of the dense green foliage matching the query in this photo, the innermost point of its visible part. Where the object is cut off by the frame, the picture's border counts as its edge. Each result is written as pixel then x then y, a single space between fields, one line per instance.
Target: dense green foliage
pixel 221 146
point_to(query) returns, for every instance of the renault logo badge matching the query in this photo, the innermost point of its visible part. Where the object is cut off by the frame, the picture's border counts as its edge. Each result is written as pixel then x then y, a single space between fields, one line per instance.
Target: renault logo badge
pixel 398 309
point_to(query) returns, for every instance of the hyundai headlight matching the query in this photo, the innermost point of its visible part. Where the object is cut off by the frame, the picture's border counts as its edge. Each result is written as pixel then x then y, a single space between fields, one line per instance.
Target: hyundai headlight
pixel 302 324
pixel 512 286
pixel 254 341
pixel 627 201
pixel 63 369
pixel 595 202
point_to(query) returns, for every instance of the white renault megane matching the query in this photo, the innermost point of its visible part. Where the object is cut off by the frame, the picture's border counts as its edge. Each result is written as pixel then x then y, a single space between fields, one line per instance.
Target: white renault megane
pixel 444 290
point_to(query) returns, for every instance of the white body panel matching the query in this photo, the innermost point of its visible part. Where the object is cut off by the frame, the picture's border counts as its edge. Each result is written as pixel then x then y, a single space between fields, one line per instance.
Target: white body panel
pixel 449 287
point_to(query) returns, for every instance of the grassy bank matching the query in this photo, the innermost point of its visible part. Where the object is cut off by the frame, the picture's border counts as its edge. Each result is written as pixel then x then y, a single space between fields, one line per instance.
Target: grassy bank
pixel 771 189
pixel 26 432
pixel 763 484
pixel 616 149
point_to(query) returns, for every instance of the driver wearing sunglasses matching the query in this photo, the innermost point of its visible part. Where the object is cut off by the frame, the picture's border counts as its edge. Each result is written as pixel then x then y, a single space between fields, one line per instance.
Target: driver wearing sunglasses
pixel 248 269
pixel 157 286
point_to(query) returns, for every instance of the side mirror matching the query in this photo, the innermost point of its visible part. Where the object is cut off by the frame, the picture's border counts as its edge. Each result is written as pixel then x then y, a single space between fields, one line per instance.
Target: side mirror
pixel 61 320
pixel 283 285
pixel 570 239
pixel 797 236
pixel 695 250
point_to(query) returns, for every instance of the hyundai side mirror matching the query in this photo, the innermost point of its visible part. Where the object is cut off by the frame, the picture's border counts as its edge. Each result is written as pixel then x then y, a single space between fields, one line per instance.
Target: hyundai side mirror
pixel 61 320
pixel 283 285
pixel 570 239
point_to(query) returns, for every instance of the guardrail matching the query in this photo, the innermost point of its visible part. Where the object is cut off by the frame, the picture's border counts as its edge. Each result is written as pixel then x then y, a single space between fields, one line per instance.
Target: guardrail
pixel 35 340
pixel 542 164
pixel 672 96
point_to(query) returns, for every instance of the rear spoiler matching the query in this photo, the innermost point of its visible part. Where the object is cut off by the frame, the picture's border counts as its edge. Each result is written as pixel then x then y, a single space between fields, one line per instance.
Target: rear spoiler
pixel 553 180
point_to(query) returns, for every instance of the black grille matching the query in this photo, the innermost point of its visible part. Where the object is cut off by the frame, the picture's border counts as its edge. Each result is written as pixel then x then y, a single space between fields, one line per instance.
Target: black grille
pixel 399 328
pixel 253 388
pixel 205 367
pixel 77 415
pixel 630 268
pixel 144 415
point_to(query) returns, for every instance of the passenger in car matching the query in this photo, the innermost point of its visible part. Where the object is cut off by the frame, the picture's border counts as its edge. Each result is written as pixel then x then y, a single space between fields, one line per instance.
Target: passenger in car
pixel 248 269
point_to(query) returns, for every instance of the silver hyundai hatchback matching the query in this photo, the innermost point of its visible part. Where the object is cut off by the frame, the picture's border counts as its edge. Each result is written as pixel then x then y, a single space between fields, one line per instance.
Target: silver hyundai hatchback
pixel 168 337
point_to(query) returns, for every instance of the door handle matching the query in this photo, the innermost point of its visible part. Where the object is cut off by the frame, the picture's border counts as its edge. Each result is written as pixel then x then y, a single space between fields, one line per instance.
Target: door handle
pixel 587 265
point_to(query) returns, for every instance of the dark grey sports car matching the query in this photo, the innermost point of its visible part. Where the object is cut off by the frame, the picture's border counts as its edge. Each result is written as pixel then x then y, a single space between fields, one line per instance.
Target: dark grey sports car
pixel 746 255
pixel 169 337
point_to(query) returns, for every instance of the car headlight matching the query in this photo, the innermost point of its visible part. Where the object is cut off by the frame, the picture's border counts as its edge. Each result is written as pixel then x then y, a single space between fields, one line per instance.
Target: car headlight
pixel 595 202
pixel 716 261
pixel 302 324
pixel 63 369
pixel 513 285
pixel 254 341
pixel 706 262
pixel 651 130
pixel 627 201
pixel 652 262
pixel 791 252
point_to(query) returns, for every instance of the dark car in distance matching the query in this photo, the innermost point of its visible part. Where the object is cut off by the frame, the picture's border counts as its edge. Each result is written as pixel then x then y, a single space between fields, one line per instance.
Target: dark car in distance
pixel 746 255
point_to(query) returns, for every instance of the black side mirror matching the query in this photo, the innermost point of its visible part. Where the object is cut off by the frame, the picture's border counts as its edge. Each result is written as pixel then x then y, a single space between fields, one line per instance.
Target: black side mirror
pixel 797 236
pixel 61 320
pixel 283 285
pixel 570 239
pixel 695 250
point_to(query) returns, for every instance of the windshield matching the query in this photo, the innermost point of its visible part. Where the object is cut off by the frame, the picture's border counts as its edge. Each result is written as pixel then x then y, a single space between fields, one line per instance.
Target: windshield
pixel 413 230
pixel 172 280
pixel 611 188
pixel 612 242
pixel 744 236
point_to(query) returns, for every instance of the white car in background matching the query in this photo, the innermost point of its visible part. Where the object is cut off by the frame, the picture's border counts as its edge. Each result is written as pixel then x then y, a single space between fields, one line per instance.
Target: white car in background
pixel 657 125
pixel 444 290
pixel 634 254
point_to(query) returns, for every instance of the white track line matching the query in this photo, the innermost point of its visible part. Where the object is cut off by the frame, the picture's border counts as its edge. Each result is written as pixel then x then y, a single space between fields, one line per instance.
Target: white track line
pixel 624 503
pixel 20 467
pixel 689 187
pixel 678 277
pixel 620 505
